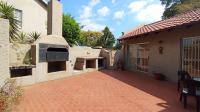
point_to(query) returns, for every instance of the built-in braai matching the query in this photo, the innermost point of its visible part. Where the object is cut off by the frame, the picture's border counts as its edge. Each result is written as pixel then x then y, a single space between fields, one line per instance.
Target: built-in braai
pixel 84 63
pixel 55 56
pixel 53 53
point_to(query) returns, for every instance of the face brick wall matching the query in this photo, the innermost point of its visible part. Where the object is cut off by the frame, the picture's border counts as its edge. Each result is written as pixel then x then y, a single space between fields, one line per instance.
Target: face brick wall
pixel 4 50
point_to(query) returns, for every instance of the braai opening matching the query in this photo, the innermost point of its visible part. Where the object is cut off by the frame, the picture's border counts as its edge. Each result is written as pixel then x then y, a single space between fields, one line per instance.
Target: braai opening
pixel 57 54
pixel 100 63
pixel 90 63
pixel 56 66
pixel 57 49
pixel 52 53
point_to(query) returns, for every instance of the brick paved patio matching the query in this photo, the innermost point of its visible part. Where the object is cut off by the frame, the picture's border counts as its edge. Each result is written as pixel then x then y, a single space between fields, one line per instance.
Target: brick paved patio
pixel 103 91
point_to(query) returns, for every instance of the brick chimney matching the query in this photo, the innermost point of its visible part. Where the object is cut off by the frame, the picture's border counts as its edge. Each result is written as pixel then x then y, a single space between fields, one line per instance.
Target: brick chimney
pixel 54 19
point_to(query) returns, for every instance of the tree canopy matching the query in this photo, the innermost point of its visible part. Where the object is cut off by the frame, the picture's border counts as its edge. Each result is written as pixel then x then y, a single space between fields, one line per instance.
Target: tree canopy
pixel 107 39
pixel 174 7
pixel 118 45
pixel 71 29
pixel 89 38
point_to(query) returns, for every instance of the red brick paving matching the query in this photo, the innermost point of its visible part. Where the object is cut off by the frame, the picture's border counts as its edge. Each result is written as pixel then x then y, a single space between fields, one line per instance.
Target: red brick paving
pixel 103 91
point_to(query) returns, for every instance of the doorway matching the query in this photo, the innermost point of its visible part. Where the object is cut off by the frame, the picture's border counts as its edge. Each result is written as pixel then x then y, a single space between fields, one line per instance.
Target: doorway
pixel 142 63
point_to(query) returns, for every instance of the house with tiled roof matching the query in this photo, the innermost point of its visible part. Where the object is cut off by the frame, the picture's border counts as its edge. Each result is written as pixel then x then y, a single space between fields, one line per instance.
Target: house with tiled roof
pixel 31 15
pixel 165 46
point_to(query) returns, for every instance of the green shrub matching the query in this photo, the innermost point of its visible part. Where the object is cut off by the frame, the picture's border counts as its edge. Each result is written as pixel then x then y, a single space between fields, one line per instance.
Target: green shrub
pixel 10 94
pixel 7 12
pixel 22 38
pixel 34 36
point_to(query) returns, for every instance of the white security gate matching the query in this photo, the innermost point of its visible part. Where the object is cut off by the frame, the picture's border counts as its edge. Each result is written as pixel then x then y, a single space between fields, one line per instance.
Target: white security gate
pixel 190 55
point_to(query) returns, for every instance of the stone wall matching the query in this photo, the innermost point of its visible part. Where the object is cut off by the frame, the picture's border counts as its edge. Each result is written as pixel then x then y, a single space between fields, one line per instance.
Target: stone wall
pixel 112 58
pixel 4 51
pixel 19 54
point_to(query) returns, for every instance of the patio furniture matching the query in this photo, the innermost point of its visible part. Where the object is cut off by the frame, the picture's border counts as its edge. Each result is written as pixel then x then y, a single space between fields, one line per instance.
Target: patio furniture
pixel 198 100
pixel 197 79
pixel 191 88
pixel 181 77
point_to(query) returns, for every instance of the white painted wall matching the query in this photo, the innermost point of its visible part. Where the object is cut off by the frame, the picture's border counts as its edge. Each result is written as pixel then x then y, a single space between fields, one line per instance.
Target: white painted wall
pixel 34 15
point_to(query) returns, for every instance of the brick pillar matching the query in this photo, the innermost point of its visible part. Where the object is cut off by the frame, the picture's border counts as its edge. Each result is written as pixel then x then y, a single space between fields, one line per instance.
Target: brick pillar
pixel 4 50
pixel 54 18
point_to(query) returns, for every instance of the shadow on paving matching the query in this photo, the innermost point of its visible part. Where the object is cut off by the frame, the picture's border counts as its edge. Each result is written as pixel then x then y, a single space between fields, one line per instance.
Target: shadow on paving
pixel 164 90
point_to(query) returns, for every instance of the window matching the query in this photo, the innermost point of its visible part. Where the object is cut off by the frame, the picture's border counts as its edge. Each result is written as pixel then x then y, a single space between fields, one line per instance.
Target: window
pixel 191 55
pixel 18 17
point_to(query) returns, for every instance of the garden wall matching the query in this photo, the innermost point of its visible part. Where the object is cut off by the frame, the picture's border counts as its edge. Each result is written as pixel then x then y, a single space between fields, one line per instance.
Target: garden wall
pixel 20 54
pixel 112 57
pixel 4 51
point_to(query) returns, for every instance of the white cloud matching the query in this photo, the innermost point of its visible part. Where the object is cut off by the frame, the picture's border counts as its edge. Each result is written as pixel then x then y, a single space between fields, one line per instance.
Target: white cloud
pixel 94 2
pixel 137 5
pixel 112 29
pixel 104 11
pixel 151 13
pixel 91 25
pixel 119 14
pixel 87 14
pixel 146 11
pixel 87 10
pixel 113 1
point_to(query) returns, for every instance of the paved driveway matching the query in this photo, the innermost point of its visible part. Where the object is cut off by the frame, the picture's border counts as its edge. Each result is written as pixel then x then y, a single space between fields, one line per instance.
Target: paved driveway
pixel 103 91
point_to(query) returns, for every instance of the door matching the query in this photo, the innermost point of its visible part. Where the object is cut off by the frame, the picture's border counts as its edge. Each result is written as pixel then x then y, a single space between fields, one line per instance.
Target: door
pixel 190 55
pixel 142 63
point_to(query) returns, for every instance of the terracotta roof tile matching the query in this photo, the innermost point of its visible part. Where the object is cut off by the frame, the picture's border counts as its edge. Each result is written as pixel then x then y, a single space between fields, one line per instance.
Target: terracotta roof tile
pixel 185 18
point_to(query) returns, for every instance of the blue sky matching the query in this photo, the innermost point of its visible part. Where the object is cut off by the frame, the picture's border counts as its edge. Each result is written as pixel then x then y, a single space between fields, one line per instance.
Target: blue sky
pixel 118 15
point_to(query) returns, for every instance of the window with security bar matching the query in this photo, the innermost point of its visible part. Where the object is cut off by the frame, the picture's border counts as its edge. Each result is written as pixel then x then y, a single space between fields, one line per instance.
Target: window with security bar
pixel 191 56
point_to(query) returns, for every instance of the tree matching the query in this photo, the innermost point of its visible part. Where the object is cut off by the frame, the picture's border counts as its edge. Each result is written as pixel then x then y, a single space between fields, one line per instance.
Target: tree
pixel 107 39
pixel 71 29
pixel 89 38
pixel 174 7
pixel 118 46
pixel 7 12
pixel 34 36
